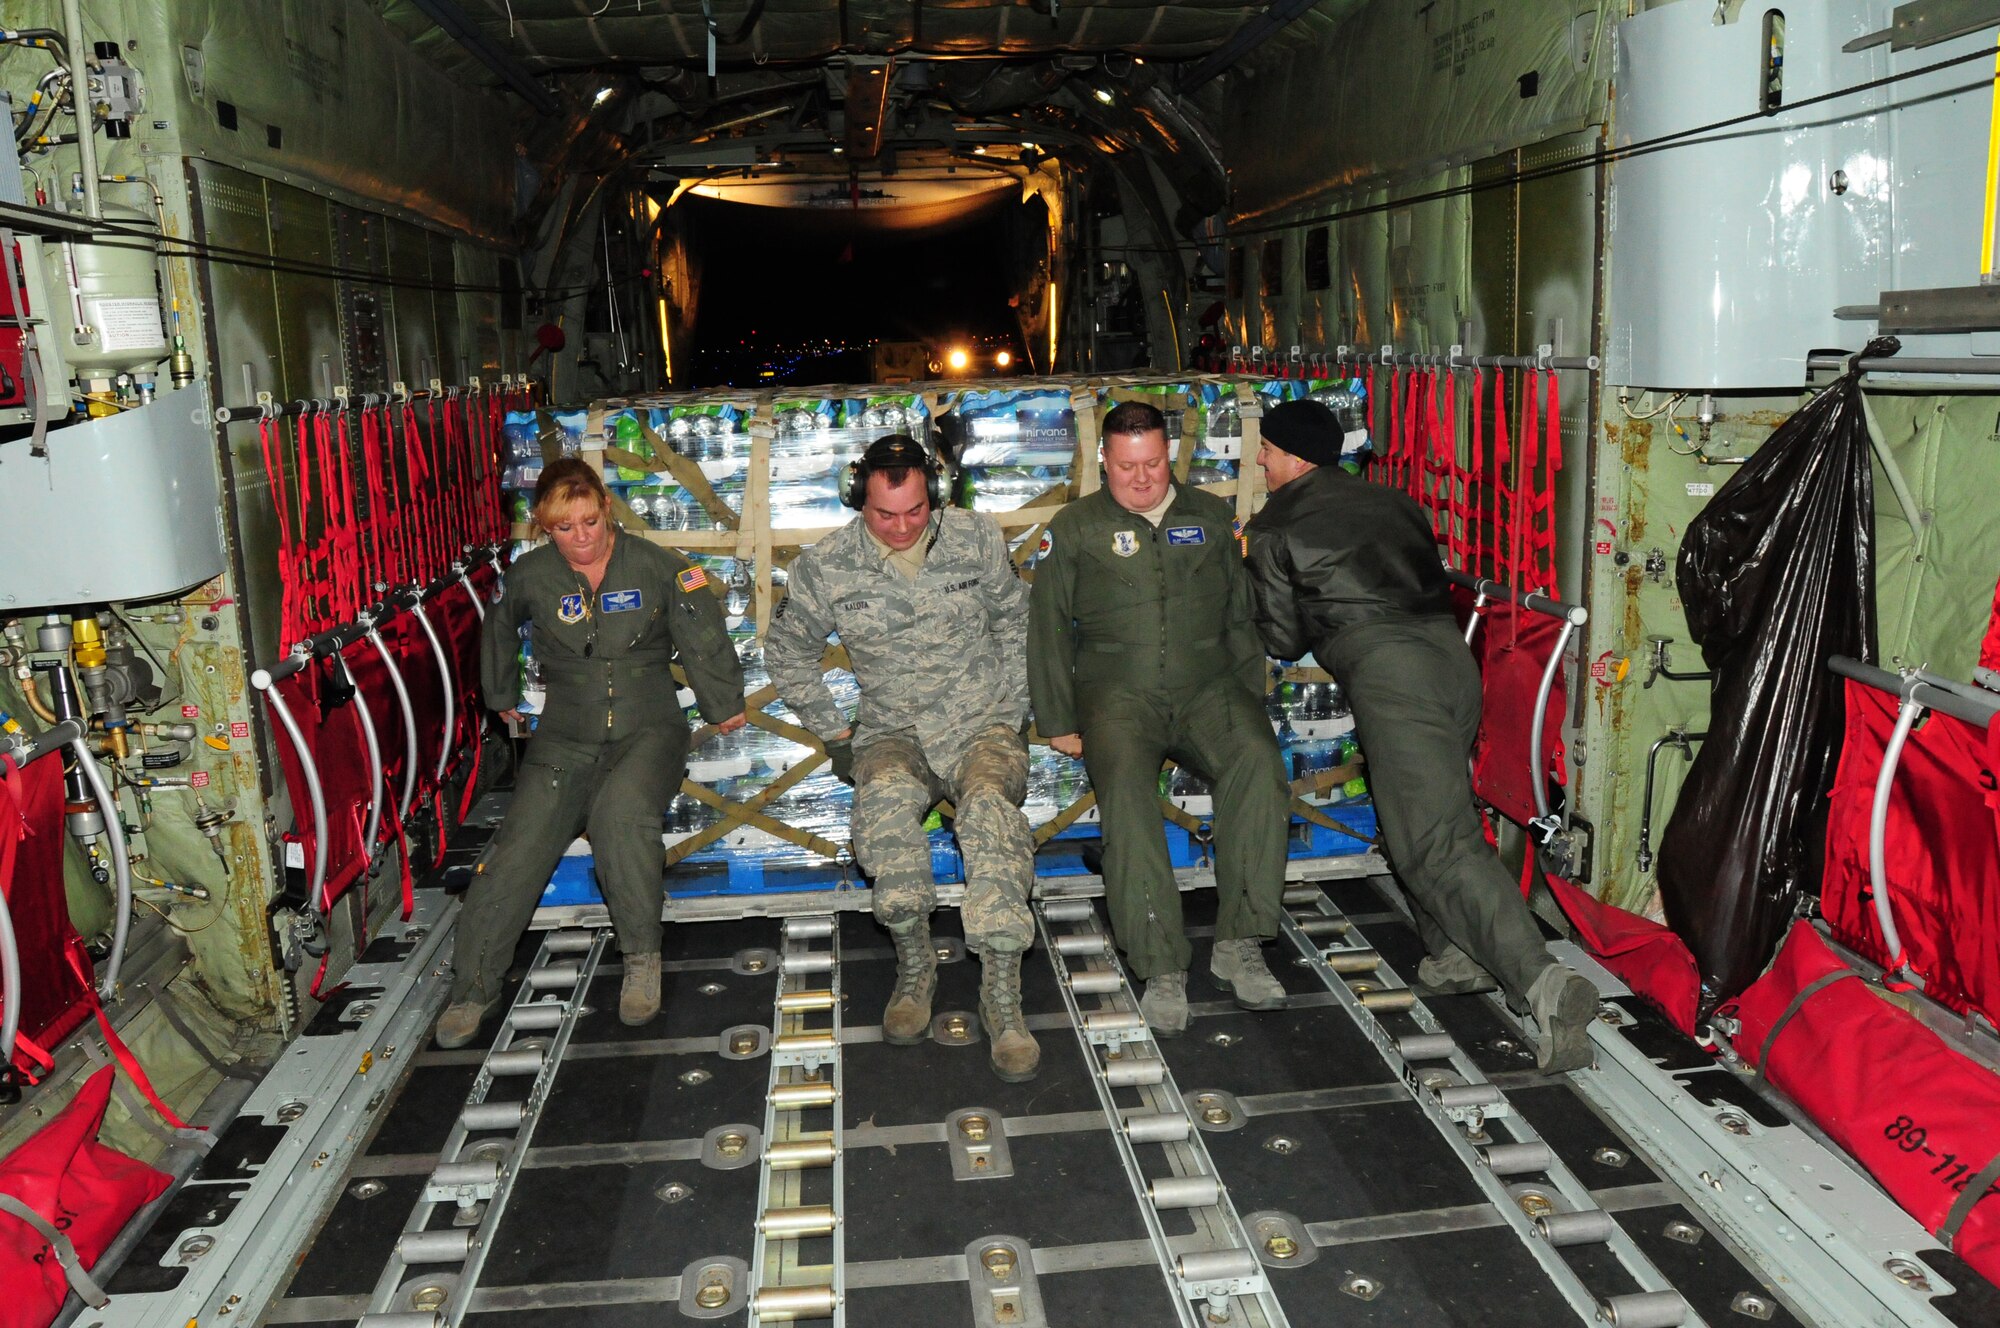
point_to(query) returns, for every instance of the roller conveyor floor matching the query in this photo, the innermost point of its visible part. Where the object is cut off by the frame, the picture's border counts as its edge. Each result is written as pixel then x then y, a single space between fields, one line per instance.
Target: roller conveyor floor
pixel 615 1211
pixel 1359 1141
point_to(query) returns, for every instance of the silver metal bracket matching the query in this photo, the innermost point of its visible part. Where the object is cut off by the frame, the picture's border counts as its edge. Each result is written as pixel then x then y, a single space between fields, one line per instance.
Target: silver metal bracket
pixel 1000 1274
pixel 977 1140
pixel 1922 23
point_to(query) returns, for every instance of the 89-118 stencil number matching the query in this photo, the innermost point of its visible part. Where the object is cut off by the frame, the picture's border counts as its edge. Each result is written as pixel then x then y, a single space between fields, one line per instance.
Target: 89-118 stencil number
pixel 1909 1136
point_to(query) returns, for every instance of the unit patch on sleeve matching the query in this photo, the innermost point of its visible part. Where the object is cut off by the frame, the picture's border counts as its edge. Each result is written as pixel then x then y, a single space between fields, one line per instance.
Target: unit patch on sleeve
pixel 1186 535
pixel 1047 545
pixel 620 601
pixel 569 608
pixel 693 579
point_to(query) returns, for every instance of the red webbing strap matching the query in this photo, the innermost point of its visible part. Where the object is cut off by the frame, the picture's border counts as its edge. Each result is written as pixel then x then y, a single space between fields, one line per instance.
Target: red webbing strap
pixel 463 487
pixel 1542 530
pixel 489 452
pixel 395 819
pixel 269 438
pixel 1427 461
pixel 443 826
pixel 313 614
pixel 397 513
pixel 119 1051
pixel 1422 383
pixel 379 549
pixel 34 1051
pixel 1475 476
pixel 361 573
pixel 1370 403
pixel 472 780
pixel 1521 511
pixel 1392 409
pixel 336 524
pixel 429 539
pixel 1405 387
pixel 1503 495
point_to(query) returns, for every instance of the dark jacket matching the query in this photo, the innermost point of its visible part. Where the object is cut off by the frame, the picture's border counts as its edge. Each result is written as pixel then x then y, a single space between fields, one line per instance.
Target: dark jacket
pixel 607 656
pixel 1118 603
pixel 1331 552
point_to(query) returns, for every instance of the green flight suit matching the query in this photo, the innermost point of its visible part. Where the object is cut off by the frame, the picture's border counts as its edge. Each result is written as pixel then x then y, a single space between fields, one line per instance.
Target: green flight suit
pixel 610 745
pixel 1350 570
pixel 1141 640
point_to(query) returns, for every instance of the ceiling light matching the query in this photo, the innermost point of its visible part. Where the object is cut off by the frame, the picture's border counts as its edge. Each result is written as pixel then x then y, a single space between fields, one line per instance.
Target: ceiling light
pixel 1103 94
pixel 979 151
pixel 603 95
pixel 837 149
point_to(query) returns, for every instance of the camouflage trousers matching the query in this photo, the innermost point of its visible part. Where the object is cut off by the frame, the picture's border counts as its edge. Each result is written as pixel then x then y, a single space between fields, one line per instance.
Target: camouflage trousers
pixel 895 788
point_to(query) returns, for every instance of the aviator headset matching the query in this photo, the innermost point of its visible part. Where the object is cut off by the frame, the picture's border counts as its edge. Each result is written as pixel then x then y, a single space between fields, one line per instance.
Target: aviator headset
pixel 891 452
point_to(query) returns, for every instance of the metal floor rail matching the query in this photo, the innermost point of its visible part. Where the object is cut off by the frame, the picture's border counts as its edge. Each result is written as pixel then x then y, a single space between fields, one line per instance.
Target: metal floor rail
pixel 1801 1210
pixel 805 1080
pixel 429 1281
pixel 324 1091
pixel 1215 1277
pixel 1537 1194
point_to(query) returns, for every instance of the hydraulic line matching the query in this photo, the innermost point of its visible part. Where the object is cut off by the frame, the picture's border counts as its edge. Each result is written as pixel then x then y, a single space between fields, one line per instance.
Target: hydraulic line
pixel 370 740
pixel 1878 824
pixel 262 681
pixel 446 729
pixel 121 863
pixel 409 722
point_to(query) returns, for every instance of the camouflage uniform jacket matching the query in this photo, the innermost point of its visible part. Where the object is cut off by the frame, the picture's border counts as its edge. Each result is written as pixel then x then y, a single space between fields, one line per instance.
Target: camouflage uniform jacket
pixel 941 657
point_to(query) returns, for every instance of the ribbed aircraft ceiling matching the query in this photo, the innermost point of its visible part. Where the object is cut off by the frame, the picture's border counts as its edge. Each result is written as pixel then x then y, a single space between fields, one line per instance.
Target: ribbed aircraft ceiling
pixel 558 34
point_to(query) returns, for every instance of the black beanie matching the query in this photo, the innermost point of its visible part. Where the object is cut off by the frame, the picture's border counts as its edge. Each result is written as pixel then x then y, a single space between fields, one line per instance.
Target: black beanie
pixel 1308 430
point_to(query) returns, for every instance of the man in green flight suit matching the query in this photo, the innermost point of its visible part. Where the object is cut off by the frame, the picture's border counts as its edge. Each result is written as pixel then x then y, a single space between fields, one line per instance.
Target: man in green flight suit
pixel 1350 571
pixel 1141 647
pixel 611 614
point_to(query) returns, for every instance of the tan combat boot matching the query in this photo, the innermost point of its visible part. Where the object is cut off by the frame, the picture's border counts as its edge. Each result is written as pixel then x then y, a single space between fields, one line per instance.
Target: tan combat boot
pixel 460 1022
pixel 907 1020
pixel 639 993
pixel 1016 1056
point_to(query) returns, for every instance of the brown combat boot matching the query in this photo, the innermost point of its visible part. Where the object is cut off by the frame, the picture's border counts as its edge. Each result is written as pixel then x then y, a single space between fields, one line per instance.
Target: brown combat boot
pixel 639 993
pixel 1016 1056
pixel 907 1020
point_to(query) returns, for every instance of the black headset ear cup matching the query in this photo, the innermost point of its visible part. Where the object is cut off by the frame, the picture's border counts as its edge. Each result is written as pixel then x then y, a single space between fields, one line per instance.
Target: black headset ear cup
pixel 887 452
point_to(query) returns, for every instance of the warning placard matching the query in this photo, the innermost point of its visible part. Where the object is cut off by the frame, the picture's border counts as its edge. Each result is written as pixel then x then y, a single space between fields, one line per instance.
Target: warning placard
pixel 128 324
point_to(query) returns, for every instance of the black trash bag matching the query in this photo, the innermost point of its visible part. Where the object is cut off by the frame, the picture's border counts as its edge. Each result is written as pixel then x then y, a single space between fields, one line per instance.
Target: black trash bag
pixel 1777 574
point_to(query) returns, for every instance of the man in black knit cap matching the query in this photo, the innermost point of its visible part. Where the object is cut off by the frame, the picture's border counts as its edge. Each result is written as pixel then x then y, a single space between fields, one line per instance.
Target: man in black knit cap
pixel 1350 571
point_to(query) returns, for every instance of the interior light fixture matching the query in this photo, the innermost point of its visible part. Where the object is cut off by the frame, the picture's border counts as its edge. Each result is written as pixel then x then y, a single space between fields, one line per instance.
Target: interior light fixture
pixel 603 95
pixel 1104 95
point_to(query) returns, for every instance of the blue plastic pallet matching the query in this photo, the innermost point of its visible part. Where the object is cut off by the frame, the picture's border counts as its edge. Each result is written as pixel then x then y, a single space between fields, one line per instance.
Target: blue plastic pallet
pixel 721 871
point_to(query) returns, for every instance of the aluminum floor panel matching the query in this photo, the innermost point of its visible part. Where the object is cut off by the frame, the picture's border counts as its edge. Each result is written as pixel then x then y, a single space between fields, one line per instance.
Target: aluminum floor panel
pixel 592 1239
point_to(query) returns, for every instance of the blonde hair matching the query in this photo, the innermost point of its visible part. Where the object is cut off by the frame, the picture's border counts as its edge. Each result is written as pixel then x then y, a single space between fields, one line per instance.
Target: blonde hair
pixel 567 481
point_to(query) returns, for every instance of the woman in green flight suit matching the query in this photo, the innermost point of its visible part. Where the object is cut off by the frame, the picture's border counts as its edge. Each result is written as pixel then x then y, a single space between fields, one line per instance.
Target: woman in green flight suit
pixel 610 612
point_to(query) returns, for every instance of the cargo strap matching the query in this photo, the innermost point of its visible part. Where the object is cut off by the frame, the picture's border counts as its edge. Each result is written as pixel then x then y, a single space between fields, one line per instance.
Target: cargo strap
pixel 80 1281
pixel 179 1134
pixel 228 1070
pixel 1796 1004
pixel 1968 1199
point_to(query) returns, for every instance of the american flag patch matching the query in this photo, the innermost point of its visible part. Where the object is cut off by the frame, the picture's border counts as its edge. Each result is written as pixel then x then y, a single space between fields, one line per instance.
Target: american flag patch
pixel 693 579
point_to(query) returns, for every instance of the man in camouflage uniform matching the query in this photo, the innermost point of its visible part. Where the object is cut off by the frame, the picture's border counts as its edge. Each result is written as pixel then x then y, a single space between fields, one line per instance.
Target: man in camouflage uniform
pixel 935 623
